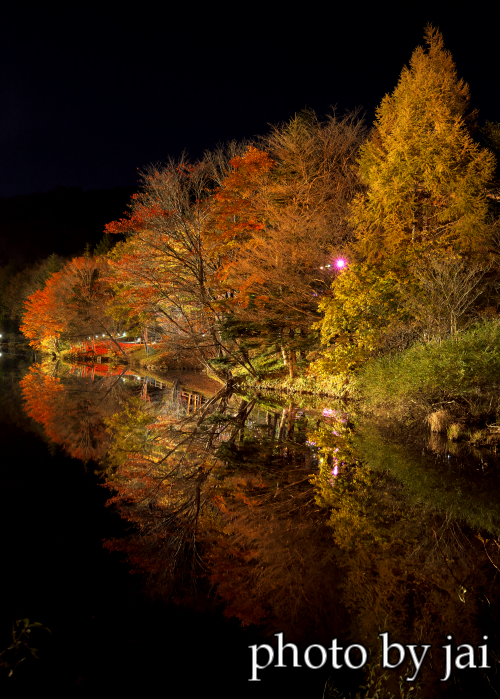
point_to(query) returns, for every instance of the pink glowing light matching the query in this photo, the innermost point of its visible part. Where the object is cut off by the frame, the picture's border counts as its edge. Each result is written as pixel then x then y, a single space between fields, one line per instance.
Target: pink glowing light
pixel 340 263
pixel 335 471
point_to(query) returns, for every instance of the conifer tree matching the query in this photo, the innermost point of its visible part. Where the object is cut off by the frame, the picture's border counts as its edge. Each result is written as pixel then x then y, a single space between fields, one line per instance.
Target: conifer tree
pixel 422 230
pixel 426 178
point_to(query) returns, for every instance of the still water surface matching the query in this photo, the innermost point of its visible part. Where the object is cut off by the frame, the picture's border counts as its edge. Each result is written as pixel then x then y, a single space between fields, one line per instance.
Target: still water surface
pixel 286 516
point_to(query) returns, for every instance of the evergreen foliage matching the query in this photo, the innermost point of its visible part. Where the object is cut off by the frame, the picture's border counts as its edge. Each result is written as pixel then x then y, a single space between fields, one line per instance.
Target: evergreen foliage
pixel 422 260
pixel 425 176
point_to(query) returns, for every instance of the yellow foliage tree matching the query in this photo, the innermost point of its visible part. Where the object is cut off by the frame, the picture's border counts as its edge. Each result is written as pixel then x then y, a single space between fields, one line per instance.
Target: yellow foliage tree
pixel 426 178
pixel 422 235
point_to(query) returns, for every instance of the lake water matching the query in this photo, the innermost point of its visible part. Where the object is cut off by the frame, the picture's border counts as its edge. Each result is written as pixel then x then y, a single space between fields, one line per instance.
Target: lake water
pixel 244 516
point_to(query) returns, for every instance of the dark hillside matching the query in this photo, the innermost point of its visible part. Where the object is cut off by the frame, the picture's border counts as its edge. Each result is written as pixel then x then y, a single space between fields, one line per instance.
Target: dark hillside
pixel 32 226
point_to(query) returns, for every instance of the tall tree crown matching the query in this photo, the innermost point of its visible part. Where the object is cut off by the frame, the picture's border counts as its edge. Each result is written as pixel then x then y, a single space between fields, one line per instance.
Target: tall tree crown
pixel 425 175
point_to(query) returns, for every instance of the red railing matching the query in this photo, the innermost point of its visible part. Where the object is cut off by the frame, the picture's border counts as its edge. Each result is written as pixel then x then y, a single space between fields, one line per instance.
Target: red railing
pixel 103 347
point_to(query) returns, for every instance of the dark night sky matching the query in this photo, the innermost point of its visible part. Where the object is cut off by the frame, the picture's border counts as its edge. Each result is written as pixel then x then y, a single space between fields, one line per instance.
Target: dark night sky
pixel 89 95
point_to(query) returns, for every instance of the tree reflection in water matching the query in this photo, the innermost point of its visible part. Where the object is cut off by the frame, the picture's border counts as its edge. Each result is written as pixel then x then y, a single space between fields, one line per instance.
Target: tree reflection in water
pixel 300 521
pixel 224 494
pixel 72 405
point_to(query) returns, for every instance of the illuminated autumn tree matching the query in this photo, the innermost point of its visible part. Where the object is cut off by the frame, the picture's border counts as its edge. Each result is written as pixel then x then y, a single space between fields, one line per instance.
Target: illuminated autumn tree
pixel 209 245
pixel 166 270
pixel 26 282
pixel 426 178
pixel 43 320
pixel 298 206
pixel 422 250
pixel 73 304
pixel 237 208
pixel 87 298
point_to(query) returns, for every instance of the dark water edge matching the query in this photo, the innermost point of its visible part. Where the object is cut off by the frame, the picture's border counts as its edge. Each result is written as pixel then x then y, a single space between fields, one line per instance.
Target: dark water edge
pixel 403 554
pixel 106 636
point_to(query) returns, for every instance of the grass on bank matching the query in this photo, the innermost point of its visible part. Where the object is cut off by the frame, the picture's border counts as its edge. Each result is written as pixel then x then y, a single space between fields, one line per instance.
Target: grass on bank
pixel 464 369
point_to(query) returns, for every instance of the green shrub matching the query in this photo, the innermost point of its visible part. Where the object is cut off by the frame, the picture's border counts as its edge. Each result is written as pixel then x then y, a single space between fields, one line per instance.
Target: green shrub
pixel 465 367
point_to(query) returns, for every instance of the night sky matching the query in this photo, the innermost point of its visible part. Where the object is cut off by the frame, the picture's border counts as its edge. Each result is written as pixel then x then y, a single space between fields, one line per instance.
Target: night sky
pixel 90 95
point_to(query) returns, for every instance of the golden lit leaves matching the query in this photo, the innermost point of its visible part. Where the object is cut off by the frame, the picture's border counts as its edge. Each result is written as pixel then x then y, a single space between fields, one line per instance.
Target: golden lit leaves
pixel 426 177
pixel 357 320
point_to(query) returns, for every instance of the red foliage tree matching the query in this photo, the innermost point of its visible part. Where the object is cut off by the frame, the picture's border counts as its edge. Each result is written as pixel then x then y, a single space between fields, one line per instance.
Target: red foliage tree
pixel 73 304
pixel 43 319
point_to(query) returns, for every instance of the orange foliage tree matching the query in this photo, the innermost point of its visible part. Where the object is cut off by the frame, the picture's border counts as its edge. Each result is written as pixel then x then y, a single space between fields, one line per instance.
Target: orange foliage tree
pixel 73 304
pixel 43 319
pixel 235 206
pixel 165 272
pixel 283 213
pixel 209 246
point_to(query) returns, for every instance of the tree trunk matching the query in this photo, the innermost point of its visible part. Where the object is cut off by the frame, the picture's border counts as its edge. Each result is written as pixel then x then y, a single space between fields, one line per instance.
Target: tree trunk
pixel 281 433
pixel 302 353
pixel 292 367
pixel 291 421
pixel 275 423
pixel 283 349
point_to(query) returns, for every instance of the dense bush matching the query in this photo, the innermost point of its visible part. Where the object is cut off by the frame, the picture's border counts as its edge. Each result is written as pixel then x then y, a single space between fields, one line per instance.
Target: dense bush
pixel 463 368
